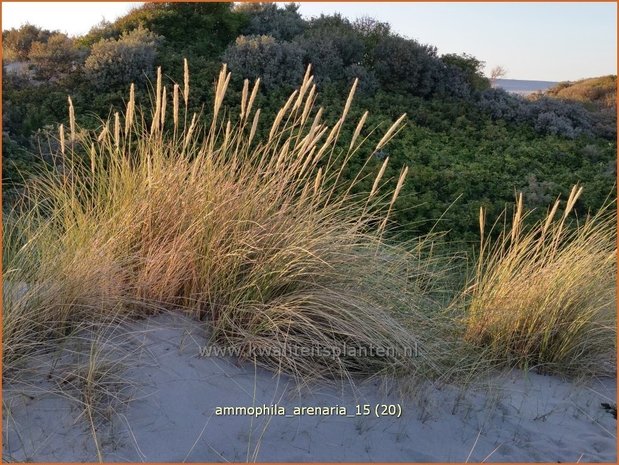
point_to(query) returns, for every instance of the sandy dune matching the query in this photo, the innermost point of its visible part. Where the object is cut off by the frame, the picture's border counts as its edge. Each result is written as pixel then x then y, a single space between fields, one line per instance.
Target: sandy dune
pixel 176 393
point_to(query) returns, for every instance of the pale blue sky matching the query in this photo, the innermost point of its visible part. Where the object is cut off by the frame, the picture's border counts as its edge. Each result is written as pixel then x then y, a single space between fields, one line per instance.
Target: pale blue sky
pixel 539 41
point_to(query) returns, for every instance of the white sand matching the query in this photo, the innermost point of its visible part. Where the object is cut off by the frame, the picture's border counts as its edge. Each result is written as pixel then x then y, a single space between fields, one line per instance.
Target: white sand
pixel 522 417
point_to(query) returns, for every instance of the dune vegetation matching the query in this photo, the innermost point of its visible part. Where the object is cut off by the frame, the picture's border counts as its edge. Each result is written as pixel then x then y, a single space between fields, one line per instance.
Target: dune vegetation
pixel 543 296
pixel 597 93
pixel 257 237
pixel 263 239
pixel 467 145
pixel 322 199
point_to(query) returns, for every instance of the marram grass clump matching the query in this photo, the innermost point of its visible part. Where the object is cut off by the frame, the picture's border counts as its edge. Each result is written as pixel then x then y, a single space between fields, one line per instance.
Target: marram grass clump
pixel 260 238
pixel 544 296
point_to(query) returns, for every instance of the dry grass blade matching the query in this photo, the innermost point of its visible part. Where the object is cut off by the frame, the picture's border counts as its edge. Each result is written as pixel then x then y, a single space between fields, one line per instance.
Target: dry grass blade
pixel 394 197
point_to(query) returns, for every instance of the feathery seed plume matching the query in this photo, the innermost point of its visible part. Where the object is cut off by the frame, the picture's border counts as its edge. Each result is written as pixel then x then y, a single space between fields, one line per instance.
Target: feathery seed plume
pixel 192 127
pixel 130 109
pixel 378 178
pixel 117 129
pixel 358 130
pixel 93 154
pixel 186 83
pixel 61 134
pixel 254 126
pixel 163 106
pixel 175 105
pixel 389 134
pixel 244 98
pixel 71 120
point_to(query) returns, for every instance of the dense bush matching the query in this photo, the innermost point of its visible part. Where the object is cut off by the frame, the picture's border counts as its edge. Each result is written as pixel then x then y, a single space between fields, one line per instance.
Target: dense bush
pixel 325 58
pixel 16 43
pixel 368 84
pixel 268 19
pixel 130 58
pixel 498 104
pixel 470 67
pixel 347 41
pixel 55 57
pixel 546 115
pixel 275 63
pixel 406 66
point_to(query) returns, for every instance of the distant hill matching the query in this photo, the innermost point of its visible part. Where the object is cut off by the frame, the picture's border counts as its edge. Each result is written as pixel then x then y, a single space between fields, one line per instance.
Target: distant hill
pixel 522 86
pixel 598 92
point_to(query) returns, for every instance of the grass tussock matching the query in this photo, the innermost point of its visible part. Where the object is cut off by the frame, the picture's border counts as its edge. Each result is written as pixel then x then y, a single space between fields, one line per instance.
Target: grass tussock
pixel 257 236
pixel 544 296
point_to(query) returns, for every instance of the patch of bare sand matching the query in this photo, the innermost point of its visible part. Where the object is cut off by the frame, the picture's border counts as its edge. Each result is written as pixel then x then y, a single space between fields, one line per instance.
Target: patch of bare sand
pixel 176 392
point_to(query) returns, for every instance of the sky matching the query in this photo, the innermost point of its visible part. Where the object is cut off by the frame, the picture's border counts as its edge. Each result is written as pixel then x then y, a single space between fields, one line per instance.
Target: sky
pixel 536 41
